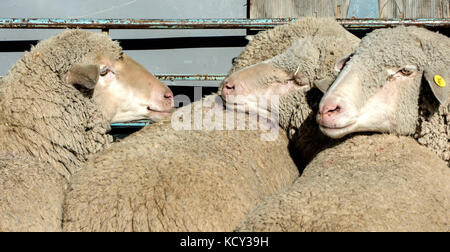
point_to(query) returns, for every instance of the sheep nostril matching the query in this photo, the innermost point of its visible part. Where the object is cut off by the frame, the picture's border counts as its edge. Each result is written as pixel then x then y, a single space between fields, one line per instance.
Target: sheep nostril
pixel 331 110
pixel 229 85
pixel 168 95
pixel 335 110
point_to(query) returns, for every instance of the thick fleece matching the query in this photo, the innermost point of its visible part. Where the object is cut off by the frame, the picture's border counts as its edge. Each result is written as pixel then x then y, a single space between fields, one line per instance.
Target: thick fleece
pixel 48 129
pixel 367 183
pixel 270 43
pixel 418 112
pixel 309 47
pixel 163 179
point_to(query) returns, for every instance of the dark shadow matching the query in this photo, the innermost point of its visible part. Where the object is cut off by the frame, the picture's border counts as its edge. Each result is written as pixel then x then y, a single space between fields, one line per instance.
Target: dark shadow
pixel 183 42
pixel 147 44
pixel 308 140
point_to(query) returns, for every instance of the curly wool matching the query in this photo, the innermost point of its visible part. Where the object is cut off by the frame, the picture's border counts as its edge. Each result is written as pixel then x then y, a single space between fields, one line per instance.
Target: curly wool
pixel 163 179
pixel 312 47
pixel 200 180
pixel 50 123
pixel 367 183
pixel 270 43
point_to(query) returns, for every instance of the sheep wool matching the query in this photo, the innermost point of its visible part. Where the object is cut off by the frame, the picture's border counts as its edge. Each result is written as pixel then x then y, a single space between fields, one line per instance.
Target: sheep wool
pixel 367 183
pixel 270 43
pixel 167 179
pixel 161 179
pixel 311 46
pixel 48 129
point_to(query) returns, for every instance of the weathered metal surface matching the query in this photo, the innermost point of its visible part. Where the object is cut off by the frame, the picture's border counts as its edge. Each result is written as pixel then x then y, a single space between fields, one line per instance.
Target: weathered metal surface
pixel 191 77
pixel 57 23
pixel 187 77
pixel 49 23
pixel 136 124
pixel 363 9
pixel 384 23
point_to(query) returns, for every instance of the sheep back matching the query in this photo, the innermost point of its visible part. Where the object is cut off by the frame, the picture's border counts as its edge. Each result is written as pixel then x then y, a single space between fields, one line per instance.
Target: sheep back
pixel 367 183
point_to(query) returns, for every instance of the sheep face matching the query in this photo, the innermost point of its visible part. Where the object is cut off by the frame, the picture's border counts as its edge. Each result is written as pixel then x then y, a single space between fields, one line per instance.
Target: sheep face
pixel 379 87
pixel 256 86
pixel 124 89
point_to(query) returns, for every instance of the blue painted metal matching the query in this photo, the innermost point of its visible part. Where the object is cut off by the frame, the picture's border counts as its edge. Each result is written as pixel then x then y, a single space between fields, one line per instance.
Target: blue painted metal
pixel 136 124
pixel 55 23
pixel 191 77
pixel 363 9
pixel 33 23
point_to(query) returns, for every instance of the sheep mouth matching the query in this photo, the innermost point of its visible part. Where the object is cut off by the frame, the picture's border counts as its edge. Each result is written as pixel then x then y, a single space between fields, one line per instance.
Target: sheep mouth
pixel 337 131
pixel 336 127
pixel 163 112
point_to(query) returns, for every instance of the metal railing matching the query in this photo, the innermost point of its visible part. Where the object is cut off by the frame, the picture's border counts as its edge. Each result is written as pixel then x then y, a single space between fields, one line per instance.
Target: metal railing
pixel 235 23
pixel 106 24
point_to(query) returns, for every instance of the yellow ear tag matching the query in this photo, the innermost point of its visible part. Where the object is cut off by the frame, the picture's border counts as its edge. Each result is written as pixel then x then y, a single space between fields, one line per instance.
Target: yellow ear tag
pixel 439 81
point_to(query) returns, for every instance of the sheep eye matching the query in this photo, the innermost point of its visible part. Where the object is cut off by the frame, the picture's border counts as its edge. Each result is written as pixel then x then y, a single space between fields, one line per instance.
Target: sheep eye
pixel 406 72
pixel 286 81
pixel 104 71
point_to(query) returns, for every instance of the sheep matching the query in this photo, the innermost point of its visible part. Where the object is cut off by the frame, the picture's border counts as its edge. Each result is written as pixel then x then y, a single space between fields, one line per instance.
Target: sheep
pixel 385 89
pixel 164 179
pixel 261 46
pixel 56 104
pixel 297 72
pixel 376 182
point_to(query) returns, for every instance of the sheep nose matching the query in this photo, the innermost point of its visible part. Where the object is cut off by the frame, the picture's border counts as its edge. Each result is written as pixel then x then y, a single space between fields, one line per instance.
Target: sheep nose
pixel 330 110
pixel 168 95
pixel 329 114
pixel 168 98
pixel 228 88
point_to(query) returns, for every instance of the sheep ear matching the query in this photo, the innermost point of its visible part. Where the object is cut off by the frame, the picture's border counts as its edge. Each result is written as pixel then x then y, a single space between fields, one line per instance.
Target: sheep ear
pixel 439 80
pixel 340 63
pixel 84 75
pixel 323 84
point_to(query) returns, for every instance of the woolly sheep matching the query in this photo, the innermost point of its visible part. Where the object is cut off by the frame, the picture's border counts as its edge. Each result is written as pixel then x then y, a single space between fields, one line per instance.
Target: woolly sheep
pixel 270 43
pixel 397 81
pixel 167 179
pixel 367 183
pixel 317 43
pixel 161 179
pixel 55 107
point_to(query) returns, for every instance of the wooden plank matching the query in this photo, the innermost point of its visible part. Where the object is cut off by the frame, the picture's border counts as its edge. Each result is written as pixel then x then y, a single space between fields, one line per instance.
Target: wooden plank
pixel 339 8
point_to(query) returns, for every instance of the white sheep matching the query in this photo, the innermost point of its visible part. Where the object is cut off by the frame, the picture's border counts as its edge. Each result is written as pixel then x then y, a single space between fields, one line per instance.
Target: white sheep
pixel 377 182
pixel 163 179
pixel 397 81
pixel 56 104
pixel 367 183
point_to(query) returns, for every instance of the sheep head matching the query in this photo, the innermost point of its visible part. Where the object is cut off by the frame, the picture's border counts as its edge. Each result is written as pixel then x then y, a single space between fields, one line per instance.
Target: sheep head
pixel 123 88
pixel 379 88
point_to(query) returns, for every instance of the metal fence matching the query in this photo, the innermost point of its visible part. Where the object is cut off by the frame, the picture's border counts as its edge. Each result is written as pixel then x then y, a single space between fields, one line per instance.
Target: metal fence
pixel 259 24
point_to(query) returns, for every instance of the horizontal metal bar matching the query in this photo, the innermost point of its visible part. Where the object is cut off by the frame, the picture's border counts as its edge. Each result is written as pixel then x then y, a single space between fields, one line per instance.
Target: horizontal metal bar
pixel 191 77
pixel 136 124
pixel 59 23
pixel 188 77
